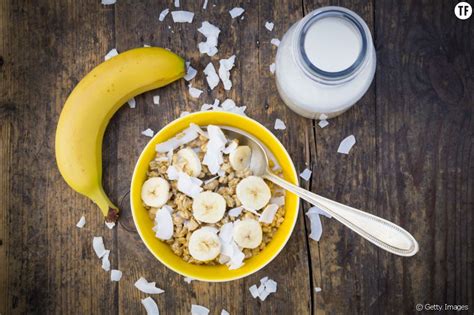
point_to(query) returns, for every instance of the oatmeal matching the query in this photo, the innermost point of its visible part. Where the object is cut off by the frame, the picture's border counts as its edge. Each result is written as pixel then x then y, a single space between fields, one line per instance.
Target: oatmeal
pixel 205 201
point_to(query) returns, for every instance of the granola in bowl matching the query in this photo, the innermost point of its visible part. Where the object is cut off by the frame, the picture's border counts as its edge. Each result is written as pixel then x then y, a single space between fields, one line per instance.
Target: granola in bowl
pixel 205 201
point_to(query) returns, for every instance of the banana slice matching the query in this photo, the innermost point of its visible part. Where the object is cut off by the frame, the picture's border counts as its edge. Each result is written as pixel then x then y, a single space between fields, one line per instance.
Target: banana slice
pixel 209 207
pixel 247 233
pixel 188 162
pixel 240 158
pixel 253 193
pixel 155 192
pixel 204 244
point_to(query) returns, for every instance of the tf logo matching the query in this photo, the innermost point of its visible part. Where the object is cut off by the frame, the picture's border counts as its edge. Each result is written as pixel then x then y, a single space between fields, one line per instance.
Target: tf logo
pixel 463 10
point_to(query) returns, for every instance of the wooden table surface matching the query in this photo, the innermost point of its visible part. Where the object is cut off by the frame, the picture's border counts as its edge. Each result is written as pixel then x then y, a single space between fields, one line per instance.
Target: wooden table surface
pixel 413 162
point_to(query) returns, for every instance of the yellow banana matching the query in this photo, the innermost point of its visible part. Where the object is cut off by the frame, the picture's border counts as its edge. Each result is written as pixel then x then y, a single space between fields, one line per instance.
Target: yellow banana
pixel 93 102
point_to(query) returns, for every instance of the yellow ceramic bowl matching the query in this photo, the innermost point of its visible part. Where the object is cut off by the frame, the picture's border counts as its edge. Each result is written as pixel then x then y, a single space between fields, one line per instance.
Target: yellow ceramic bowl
pixel 161 250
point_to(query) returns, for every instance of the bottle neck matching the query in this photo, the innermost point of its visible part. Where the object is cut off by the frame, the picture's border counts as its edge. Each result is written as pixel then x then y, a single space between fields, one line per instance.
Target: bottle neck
pixel 301 55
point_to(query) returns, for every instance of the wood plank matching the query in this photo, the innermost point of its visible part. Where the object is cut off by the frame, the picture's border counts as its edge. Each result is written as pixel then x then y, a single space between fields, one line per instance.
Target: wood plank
pixel 47 47
pixel 344 264
pixel 424 147
pixel 253 86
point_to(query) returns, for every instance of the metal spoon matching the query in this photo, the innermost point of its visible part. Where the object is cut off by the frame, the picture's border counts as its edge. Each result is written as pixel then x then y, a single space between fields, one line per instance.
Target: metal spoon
pixel 376 230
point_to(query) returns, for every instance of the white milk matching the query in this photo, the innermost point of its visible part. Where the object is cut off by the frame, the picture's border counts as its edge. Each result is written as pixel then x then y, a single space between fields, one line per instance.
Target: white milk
pixel 325 62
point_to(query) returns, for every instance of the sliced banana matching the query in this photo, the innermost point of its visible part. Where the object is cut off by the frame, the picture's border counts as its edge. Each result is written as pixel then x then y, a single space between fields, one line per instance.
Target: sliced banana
pixel 240 158
pixel 204 244
pixel 209 207
pixel 253 193
pixel 188 161
pixel 247 233
pixel 155 192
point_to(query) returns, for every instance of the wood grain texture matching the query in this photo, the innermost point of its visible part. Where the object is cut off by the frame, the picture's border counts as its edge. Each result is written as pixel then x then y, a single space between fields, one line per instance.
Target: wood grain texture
pixel 413 162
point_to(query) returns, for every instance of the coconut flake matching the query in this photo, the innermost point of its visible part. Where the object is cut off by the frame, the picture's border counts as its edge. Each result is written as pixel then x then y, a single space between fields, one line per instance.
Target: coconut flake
pixel 156 99
pixel 148 132
pixel 163 14
pixel 306 174
pixel 225 232
pixel 268 214
pixel 224 312
pixel 323 123
pixel 210 180
pixel 211 32
pixel 98 245
pixel 254 291
pixel 172 173
pixel 317 289
pixel 323 117
pixel 224 71
pixel 190 72
pixel 194 92
pixel 106 261
pixel 176 3
pixel 275 41
pixel 269 26
pixel 147 287
pixel 115 275
pixel 193 126
pixel 315 222
pixel 236 261
pixel 182 16
pixel 110 225
pixel 187 135
pixel 188 185
pixel 204 6
pixel 235 212
pixel 279 201
pixel 231 147
pixel 132 103
pixel 270 286
pixel 112 53
pixel 199 310
pixel 163 223
pixel 82 221
pixel 214 156
pixel 236 12
pixel 211 76
pixel 150 306
pixel 279 124
pixel 346 145
pixel 108 2
pixel 188 279
pixel 272 68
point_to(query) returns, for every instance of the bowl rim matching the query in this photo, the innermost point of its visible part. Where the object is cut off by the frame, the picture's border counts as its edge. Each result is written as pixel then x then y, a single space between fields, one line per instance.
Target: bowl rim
pixel 291 169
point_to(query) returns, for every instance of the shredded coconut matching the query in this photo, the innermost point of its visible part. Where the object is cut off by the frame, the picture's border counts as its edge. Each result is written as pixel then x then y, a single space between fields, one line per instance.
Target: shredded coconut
pixel 82 221
pixel 148 132
pixel 315 222
pixel 279 124
pixel 306 174
pixel 108 2
pixel 275 41
pixel 194 92
pixel 164 223
pixel 147 287
pixel 272 68
pixel 115 275
pixel 190 72
pixel 106 261
pixel 98 245
pixel 211 76
pixel 224 71
pixel 132 103
pixel 323 123
pixel 199 310
pixel 182 16
pixel 150 306
pixel 211 32
pixel 346 145
pixel 236 12
pixel 112 53
pixel 269 26
pixel 163 14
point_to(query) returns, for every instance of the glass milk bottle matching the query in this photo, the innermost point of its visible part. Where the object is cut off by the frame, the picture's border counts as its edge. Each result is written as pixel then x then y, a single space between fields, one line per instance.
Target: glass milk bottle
pixel 325 63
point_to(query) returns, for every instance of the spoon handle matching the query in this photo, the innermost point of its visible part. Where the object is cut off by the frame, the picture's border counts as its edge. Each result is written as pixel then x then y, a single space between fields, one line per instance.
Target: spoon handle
pixel 376 230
